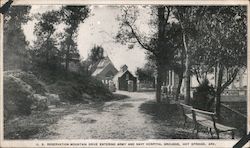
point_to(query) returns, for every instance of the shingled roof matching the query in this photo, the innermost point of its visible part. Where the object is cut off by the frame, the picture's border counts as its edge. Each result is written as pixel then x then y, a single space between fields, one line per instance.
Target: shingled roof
pixel 102 65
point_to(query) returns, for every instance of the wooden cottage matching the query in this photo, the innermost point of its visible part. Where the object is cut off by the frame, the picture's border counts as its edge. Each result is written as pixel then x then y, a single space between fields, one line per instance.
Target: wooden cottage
pixel 104 70
pixel 124 80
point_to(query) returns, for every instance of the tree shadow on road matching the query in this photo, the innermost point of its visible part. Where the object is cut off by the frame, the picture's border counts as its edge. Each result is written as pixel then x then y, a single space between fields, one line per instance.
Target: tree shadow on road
pixel 120 96
pixel 159 111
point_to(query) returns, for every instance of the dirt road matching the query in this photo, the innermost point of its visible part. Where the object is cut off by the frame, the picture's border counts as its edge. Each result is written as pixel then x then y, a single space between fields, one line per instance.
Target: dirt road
pixel 136 117
pixel 120 119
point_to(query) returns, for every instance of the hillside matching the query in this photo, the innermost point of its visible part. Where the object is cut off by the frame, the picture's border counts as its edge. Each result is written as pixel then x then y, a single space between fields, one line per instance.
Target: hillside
pixel 24 92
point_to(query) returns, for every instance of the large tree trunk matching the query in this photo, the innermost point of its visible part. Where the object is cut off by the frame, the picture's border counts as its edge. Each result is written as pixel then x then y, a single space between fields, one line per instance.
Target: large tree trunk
pixel 47 50
pixel 67 59
pixel 180 75
pixel 179 86
pixel 218 89
pixel 187 81
pixel 154 83
pixel 159 84
pixel 187 63
pixel 47 56
pixel 160 46
pixel 187 72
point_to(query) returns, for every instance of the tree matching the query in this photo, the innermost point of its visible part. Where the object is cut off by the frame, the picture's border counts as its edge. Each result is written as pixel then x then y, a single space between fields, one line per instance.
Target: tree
pixel 224 41
pixel 179 68
pixel 96 54
pixel 14 42
pixel 188 18
pixel 146 73
pixel 160 43
pixel 45 51
pixel 217 41
pixel 72 16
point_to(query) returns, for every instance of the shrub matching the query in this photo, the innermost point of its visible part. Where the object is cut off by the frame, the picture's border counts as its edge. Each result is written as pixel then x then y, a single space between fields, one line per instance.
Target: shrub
pixel 73 90
pixel 17 97
pixel 66 90
pixel 23 92
pixel 204 96
pixel 70 86
pixel 30 79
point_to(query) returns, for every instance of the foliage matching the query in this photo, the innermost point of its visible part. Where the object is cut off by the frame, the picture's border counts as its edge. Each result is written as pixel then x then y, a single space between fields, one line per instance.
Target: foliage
pixel 23 93
pixel 14 42
pixel 37 86
pixel 45 50
pixel 96 54
pixel 146 73
pixel 53 49
pixel 214 39
pixel 188 18
pixel 70 86
pixel 222 39
pixel 17 97
pixel 161 41
pixel 204 96
pixel 222 45
pixel 72 16
pixel 226 29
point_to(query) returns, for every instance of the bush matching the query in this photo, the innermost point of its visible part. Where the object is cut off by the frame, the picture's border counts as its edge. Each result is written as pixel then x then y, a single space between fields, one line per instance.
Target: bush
pixel 66 90
pixel 98 90
pixel 70 86
pixel 23 92
pixel 77 87
pixel 30 79
pixel 204 96
pixel 17 97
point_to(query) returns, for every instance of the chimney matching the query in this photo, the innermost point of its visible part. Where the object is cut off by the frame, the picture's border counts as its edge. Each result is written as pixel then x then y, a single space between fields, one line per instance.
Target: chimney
pixel 124 68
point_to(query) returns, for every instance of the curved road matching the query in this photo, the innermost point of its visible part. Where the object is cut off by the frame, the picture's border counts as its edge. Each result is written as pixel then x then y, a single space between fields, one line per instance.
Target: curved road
pixel 136 117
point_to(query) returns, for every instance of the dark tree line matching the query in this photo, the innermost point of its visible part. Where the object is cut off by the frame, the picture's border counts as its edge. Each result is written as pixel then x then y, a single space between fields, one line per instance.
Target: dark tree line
pixel 14 41
pixel 57 49
pixel 52 49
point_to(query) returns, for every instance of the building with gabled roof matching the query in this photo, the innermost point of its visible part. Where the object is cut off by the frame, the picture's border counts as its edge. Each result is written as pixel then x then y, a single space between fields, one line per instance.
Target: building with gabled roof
pixel 104 70
pixel 124 80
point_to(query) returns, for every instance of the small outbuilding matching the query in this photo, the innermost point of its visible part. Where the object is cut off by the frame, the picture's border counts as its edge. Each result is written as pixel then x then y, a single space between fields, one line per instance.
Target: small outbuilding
pixel 124 80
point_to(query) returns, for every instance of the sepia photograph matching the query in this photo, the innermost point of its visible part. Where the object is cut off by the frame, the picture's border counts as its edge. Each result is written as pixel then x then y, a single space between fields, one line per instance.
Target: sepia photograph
pixel 124 72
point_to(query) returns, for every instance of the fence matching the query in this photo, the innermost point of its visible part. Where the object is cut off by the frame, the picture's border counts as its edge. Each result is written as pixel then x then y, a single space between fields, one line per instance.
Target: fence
pixel 234 92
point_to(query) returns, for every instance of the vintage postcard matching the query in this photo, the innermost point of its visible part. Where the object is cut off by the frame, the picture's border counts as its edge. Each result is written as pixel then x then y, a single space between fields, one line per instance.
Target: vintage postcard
pixel 124 73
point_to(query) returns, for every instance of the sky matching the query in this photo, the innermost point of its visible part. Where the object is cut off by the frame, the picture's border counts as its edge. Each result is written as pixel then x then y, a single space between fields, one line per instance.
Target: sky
pixel 99 28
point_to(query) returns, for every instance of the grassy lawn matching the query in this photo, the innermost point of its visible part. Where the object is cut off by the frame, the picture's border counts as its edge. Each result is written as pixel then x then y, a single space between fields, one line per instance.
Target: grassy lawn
pixel 235 119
